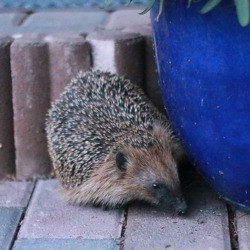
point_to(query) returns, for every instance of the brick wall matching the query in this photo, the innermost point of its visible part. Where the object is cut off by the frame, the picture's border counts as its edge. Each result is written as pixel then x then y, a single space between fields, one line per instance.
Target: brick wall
pixel 39 54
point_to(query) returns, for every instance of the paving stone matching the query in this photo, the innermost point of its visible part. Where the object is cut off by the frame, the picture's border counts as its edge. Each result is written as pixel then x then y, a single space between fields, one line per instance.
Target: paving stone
pixel 65 244
pixel 15 194
pixel 11 19
pixel 112 51
pixel 9 218
pixel 68 55
pixel 243 226
pixel 50 217
pixel 30 87
pixel 61 21
pixel 205 226
pixel 128 19
pixel 7 150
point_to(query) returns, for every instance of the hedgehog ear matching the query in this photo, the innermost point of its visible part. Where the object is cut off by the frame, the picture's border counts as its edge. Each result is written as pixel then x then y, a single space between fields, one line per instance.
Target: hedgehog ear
pixel 121 161
pixel 178 152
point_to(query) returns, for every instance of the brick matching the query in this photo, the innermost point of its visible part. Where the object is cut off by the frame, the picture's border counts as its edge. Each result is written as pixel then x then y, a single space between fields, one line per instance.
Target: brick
pixel 30 84
pixel 119 52
pixel 62 21
pixel 205 226
pixel 7 154
pixel 243 226
pixel 15 194
pixel 50 217
pixel 65 244
pixel 9 218
pixel 68 55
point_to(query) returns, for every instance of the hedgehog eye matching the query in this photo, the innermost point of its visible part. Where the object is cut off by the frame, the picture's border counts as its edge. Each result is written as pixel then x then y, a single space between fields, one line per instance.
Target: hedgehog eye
pixel 121 161
pixel 150 144
pixel 150 127
pixel 155 185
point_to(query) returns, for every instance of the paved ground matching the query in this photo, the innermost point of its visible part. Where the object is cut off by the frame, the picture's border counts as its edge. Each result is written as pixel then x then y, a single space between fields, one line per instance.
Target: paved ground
pixel 33 216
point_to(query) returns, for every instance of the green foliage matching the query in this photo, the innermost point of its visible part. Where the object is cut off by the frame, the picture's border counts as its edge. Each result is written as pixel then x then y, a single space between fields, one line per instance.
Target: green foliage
pixel 149 6
pixel 209 6
pixel 242 8
pixel 107 3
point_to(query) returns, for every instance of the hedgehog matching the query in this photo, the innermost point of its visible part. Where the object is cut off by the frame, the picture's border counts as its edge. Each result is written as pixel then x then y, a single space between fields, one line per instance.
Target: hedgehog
pixel 110 146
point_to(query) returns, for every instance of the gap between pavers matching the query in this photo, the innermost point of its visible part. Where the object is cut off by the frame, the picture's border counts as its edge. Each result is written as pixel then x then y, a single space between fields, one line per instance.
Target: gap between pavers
pixel 9 221
pixel 48 216
pixel 204 227
pixel 14 197
pixel 243 226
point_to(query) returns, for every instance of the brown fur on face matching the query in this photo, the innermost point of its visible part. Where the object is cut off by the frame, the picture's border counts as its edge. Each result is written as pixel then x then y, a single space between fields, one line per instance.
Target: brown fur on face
pixel 129 173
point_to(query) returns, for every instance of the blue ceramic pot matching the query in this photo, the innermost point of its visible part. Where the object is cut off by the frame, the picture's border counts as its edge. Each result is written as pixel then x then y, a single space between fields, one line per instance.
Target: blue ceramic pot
pixel 204 69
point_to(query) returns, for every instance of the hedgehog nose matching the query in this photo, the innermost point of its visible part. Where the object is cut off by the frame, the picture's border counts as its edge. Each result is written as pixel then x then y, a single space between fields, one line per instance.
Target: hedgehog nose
pixel 181 208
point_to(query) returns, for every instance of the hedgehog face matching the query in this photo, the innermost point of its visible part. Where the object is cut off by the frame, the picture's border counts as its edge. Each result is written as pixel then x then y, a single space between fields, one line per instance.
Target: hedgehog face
pixel 151 175
pixel 168 199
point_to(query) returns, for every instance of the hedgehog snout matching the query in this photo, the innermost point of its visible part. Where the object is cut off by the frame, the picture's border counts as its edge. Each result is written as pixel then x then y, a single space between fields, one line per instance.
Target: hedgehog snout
pixel 171 202
pixel 180 207
pixel 168 199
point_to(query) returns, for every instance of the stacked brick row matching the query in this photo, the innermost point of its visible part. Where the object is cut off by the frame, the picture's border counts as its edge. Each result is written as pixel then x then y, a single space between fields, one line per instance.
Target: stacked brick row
pixel 36 67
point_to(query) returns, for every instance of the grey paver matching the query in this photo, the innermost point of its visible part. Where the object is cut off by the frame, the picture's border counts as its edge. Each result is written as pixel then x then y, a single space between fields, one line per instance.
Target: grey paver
pixel 12 19
pixel 129 19
pixel 82 21
pixel 50 217
pixel 9 220
pixel 243 226
pixel 15 194
pixel 65 244
pixel 50 22
pixel 10 22
pixel 205 226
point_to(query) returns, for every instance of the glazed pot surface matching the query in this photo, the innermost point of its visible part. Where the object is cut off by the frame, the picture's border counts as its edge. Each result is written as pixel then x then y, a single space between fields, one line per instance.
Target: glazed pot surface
pixel 204 69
